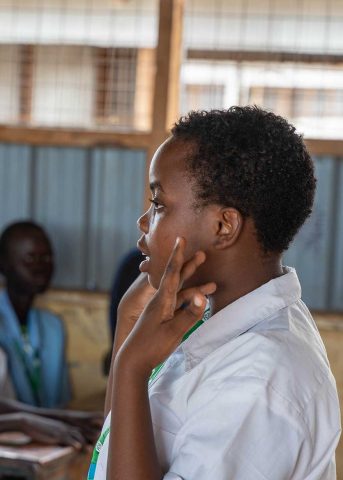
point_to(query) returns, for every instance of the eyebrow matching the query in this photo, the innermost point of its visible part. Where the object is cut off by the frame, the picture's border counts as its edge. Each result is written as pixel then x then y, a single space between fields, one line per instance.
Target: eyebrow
pixel 156 186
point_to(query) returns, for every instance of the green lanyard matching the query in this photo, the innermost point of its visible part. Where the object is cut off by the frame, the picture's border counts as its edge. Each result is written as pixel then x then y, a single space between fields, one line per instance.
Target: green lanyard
pixel 205 317
pixel 96 452
pixel 103 436
pixel 31 361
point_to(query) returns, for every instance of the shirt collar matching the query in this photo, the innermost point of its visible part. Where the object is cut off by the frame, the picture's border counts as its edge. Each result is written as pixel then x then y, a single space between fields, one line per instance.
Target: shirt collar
pixel 242 315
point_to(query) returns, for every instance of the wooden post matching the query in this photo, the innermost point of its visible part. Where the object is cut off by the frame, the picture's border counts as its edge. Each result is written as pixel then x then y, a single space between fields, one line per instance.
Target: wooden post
pixel 144 90
pixel 102 83
pixel 167 79
pixel 26 82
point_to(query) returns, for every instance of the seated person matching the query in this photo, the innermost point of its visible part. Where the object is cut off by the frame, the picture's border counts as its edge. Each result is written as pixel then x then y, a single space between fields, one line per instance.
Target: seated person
pixel 33 339
pixel 48 426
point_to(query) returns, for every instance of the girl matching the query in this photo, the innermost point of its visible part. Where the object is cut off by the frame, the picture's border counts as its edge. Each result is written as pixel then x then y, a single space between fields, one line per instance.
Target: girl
pixel 246 394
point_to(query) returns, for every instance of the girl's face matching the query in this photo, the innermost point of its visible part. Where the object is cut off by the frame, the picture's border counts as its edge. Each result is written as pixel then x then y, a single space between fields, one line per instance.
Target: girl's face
pixel 172 214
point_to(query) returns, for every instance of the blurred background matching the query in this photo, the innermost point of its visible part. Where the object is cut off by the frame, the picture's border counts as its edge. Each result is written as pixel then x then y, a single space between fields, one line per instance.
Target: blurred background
pixel 88 90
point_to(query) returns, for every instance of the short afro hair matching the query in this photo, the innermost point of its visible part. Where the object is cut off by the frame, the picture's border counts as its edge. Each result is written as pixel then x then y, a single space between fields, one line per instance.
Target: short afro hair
pixel 254 161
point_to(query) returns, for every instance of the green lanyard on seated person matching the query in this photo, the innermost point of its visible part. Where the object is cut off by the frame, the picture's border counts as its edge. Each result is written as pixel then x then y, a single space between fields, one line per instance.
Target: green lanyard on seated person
pixel 32 368
pixel 103 436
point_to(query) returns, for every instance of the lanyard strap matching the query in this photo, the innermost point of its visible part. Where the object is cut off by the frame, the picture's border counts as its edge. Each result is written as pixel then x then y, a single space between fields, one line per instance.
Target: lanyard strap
pixel 96 452
pixel 30 359
pixel 205 317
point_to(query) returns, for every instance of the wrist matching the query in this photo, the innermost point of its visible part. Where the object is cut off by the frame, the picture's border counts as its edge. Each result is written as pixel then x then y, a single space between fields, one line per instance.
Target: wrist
pixel 127 367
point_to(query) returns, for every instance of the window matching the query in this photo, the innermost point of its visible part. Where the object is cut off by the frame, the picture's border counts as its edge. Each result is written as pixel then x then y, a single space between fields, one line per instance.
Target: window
pixel 202 96
pixel 299 102
pixel 116 86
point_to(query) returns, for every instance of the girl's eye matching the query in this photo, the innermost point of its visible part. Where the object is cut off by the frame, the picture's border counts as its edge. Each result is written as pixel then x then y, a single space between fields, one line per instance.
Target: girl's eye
pixel 156 204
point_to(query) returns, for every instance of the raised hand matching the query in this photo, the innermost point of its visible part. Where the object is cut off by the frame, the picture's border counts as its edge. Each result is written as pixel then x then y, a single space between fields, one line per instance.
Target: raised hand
pixel 170 313
pixel 131 307
pixel 129 310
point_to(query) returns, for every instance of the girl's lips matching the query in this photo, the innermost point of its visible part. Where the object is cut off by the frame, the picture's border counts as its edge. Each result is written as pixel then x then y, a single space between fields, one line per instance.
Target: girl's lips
pixel 144 266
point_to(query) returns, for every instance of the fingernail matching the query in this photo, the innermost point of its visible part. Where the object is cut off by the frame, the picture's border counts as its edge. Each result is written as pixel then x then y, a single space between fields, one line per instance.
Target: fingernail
pixel 197 300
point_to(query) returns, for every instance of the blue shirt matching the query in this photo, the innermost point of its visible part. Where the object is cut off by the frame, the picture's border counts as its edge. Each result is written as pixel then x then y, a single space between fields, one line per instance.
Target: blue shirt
pixel 37 364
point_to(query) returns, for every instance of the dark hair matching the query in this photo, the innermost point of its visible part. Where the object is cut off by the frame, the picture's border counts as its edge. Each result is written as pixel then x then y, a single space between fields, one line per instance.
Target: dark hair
pixel 254 161
pixel 13 229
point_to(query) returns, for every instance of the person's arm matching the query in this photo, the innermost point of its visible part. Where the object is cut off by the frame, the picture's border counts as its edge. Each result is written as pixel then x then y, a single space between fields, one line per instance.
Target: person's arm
pixel 130 308
pixel 89 423
pixel 158 331
pixel 11 422
pixel 42 430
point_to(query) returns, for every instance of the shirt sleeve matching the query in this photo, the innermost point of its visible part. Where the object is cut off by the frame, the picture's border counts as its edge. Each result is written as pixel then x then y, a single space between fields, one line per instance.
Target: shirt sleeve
pixel 244 432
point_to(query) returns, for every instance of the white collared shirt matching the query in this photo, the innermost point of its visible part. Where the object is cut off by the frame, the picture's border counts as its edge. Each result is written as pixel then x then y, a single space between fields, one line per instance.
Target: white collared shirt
pixel 248 396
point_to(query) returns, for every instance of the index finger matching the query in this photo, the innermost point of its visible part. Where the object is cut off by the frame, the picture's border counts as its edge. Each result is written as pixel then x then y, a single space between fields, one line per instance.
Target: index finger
pixel 171 278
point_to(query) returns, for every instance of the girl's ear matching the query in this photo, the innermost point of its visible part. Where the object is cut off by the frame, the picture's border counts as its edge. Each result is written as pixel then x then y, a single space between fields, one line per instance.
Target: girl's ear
pixel 230 223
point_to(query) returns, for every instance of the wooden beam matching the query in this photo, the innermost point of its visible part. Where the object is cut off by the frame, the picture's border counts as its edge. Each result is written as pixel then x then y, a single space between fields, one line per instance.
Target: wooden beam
pixel 144 88
pixel 325 147
pixel 168 63
pixel 26 82
pixel 102 66
pixel 264 56
pixel 73 137
pixel 167 78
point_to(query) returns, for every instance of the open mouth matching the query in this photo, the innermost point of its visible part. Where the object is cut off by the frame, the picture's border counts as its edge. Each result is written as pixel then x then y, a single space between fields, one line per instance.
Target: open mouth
pixel 144 266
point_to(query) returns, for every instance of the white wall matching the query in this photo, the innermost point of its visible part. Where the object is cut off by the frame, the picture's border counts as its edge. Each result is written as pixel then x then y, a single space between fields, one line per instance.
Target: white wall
pixel 291 25
pixel 80 22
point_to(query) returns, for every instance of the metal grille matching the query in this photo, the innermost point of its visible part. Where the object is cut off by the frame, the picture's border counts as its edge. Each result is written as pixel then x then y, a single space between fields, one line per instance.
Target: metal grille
pixel 77 63
pixel 285 56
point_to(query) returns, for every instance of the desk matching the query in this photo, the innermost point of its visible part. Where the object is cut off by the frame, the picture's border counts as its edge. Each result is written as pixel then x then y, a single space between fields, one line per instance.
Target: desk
pixel 36 462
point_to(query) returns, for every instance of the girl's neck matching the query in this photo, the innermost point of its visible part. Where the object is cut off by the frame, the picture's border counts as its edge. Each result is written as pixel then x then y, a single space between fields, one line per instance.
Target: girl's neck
pixel 21 303
pixel 243 281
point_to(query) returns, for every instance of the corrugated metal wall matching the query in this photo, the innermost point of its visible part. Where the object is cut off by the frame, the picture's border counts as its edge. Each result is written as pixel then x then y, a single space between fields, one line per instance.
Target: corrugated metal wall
pixel 89 200
pixel 317 252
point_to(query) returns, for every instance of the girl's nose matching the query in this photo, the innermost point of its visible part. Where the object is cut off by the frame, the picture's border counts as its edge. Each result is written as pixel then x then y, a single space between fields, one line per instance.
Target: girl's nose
pixel 143 223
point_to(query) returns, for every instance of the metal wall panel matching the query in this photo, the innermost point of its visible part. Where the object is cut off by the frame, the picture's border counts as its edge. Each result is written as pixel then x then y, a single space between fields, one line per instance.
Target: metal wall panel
pixel 89 201
pixel 15 183
pixel 337 290
pixel 60 205
pixel 311 252
pixel 116 203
